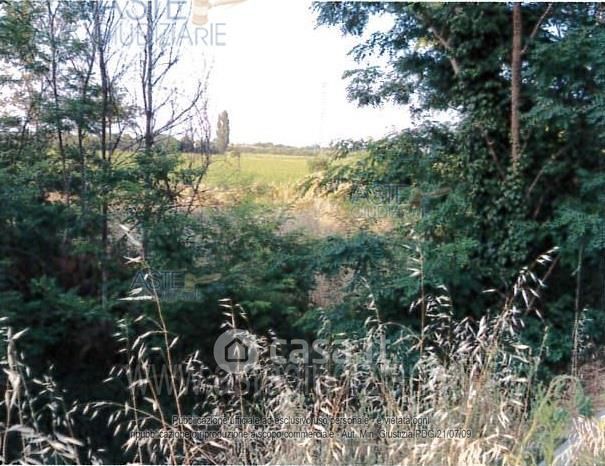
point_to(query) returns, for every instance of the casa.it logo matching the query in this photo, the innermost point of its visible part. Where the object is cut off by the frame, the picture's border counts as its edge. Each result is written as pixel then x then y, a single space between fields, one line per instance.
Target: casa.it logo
pixel 201 8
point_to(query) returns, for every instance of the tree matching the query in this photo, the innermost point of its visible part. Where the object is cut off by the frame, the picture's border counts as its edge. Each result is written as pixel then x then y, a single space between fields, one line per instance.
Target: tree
pixel 222 132
pixel 521 169
pixel 187 144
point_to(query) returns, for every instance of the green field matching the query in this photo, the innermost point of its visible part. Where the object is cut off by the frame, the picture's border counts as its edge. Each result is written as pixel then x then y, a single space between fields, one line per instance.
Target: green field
pixel 257 169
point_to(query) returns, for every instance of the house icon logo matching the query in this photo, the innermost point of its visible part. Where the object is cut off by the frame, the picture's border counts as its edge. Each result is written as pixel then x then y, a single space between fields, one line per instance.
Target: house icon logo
pixel 235 351
pixel 201 8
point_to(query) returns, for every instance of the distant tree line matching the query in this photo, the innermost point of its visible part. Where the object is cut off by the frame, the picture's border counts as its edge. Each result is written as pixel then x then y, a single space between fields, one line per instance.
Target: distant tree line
pixel 270 148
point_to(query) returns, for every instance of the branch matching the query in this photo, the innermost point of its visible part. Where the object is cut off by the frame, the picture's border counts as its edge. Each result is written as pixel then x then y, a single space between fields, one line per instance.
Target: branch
pixel 541 172
pixel 444 42
pixel 537 28
pixel 448 47
pixel 492 151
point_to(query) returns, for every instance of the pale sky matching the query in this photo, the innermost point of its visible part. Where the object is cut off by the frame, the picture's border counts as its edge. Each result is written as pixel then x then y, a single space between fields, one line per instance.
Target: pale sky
pixel 280 78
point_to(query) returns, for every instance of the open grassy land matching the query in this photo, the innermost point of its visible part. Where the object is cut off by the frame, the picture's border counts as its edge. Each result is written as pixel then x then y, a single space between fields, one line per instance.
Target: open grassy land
pixel 227 171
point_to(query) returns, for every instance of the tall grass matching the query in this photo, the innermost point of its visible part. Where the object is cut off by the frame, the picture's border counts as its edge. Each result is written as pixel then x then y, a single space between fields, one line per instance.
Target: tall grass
pixel 472 384
pixel 37 426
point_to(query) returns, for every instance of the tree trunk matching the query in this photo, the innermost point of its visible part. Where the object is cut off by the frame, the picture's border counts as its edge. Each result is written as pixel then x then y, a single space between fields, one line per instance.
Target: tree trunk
pixel 148 100
pixel 54 82
pixel 104 156
pixel 149 81
pixel 515 126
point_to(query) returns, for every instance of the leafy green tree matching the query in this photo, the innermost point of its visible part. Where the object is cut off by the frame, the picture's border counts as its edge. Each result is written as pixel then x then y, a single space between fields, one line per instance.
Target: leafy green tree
pixel 222 132
pixel 520 170
pixel 187 144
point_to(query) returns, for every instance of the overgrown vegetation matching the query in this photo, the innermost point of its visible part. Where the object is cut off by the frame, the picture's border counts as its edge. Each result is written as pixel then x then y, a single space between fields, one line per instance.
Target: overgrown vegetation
pixel 474 384
pixel 487 206
pixel 412 280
